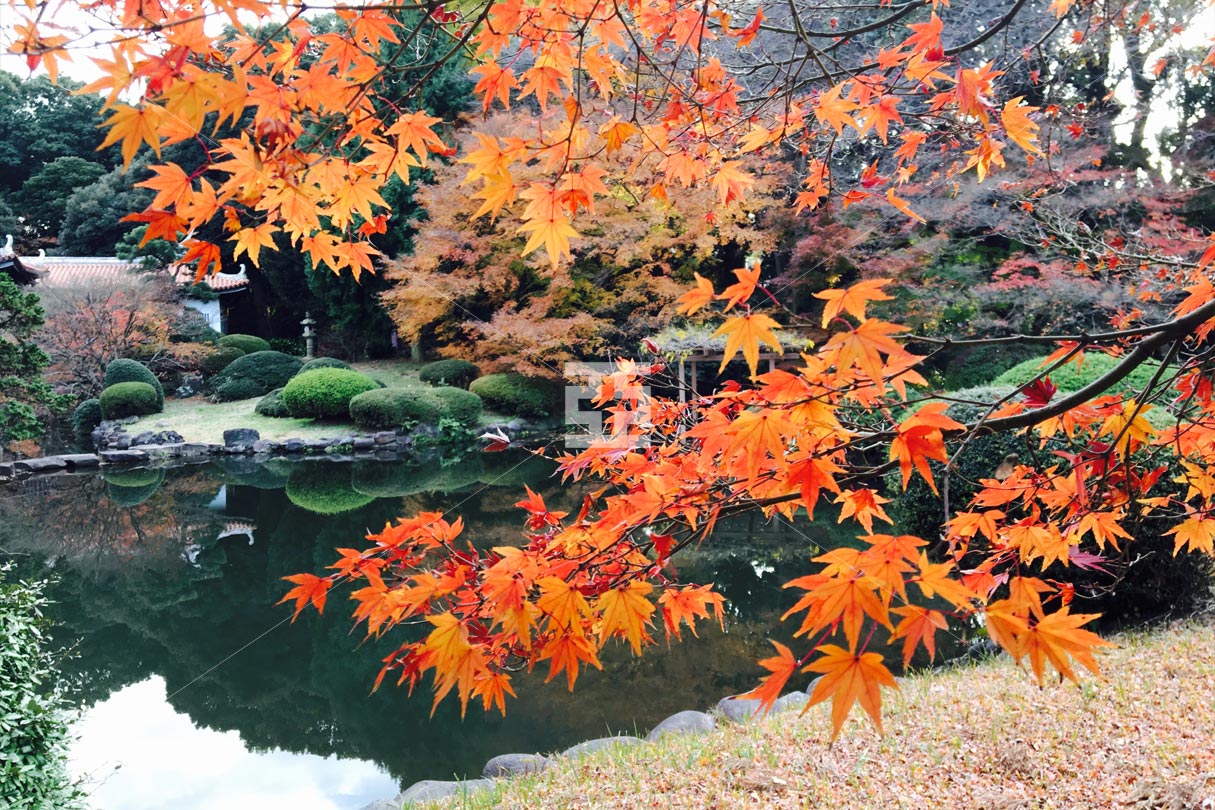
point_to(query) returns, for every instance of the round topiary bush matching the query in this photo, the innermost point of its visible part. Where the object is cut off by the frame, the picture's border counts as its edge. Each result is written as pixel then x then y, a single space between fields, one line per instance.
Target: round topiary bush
pixel 325 393
pixel 1068 378
pixel 86 418
pixel 323 362
pixel 246 343
pixel 130 489
pixel 129 399
pixel 124 370
pixel 517 395
pixel 324 489
pixel 463 406
pixel 456 373
pixel 272 405
pixel 254 375
pixel 390 408
pixel 218 360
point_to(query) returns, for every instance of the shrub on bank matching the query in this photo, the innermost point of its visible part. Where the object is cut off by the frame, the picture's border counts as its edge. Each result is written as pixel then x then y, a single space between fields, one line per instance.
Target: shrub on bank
pixel 456 373
pixel 391 408
pixel 323 362
pixel 124 370
pixel 129 399
pixel 517 395
pixel 272 405
pixel 254 375
pixel 325 393
pixel 1067 378
pixel 86 418
pixel 246 343
pixel 463 406
pixel 218 360
pixel 324 489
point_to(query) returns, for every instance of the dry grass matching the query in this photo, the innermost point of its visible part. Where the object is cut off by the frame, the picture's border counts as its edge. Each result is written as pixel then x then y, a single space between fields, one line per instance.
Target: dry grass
pixel 983 738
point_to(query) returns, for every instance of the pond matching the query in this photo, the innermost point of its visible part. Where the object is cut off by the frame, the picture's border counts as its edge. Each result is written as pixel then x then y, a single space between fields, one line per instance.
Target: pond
pixel 198 691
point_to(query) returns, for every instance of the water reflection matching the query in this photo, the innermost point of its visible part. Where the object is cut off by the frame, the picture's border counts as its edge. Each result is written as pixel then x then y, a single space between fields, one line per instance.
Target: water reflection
pixel 162 576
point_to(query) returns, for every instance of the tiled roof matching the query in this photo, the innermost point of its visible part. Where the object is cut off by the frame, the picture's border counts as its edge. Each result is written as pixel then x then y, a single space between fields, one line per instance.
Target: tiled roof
pixel 219 282
pixel 62 272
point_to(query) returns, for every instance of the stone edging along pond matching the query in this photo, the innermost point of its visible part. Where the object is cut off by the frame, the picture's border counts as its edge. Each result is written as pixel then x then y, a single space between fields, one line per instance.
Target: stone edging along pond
pixel 116 447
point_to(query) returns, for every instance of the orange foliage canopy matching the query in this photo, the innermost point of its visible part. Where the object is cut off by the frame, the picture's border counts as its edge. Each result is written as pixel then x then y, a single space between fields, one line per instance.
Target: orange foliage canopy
pixel 644 83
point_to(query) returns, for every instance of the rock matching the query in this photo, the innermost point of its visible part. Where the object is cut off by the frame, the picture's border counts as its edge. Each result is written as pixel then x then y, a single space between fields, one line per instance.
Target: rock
pixel 123 456
pixel 813 683
pixel 78 461
pixel 686 722
pixel 194 449
pixel 294 445
pixel 121 442
pixel 515 764
pixel 7 470
pixel 591 746
pixel 240 436
pixel 316 445
pixel 384 437
pixel 736 709
pixel 261 446
pixel 37 465
pixel 429 790
pixel 793 701
pixel 362 443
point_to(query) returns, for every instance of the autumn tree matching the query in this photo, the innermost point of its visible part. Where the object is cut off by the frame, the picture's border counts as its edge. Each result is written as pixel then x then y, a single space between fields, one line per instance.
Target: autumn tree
pixel 685 92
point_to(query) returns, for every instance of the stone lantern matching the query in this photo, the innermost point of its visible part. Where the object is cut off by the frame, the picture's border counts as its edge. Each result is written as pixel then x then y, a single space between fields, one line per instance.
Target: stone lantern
pixel 309 337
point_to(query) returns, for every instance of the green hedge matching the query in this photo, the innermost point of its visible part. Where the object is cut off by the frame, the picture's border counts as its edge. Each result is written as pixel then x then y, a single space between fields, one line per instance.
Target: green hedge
pixel 390 408
pixel 456 373
pixel 325 392
pixel 1068 378
pixel 323 362
pixel 254 375
pixel 132 492
pixel 272 405
pixel 324 489
pixel 124 370
pixel 218 360
pixel 517 395
pixel 246 343
pixel 129 399
pixel 378 480
pixel 463 406
pixel 85 418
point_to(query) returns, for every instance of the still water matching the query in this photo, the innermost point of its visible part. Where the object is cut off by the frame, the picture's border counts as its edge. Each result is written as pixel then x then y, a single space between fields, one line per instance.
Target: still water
pixel 197 691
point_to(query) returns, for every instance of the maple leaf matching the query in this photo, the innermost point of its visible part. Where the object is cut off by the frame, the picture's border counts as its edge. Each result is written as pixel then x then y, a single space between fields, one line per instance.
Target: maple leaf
pixel 566 607
pixel 207 255
pixel 740 291
pixel 920 439
pixel 781 666
pixel 694 300
pixel 625 611
pixel 902 205
pixel 566 652
pixel 415 131
pixel 852 299
pixel 134 126
pixel 308 589
pixel 730 182
pixel 495 82
pixel 171 184
pixel 1020 129
pixel 919 625
pixel 1057 636
pixel 864 345
pixel 252 240
pixel 849 678
pixel 833 109
pixel 686 605
pixel 746 332
pixel 553 232
pixel 1197 532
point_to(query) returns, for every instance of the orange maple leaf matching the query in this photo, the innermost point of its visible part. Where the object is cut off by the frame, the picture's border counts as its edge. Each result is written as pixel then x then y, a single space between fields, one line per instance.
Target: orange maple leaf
pixel 694 300
pixel 308 588
pixel 740 291
pixel 848 678
pixel 852 299
pixel 625 611
pixel 1021 130
pixel 781 666
pixel 746 332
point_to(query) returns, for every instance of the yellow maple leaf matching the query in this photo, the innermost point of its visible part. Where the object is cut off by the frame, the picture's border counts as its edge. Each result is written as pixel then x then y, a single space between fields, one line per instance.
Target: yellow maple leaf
pixel 134 126
pixel 746 332
pixel 1021 130
pixel 625 611
pixel 553 232
pixel 849 678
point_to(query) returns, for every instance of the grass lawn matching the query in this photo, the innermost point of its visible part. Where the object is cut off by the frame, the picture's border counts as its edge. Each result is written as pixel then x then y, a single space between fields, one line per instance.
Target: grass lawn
pixel 199 420
pixel 985 737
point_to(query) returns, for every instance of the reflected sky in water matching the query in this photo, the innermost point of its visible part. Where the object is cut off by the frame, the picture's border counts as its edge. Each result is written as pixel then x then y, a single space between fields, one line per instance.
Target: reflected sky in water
pixel 137 753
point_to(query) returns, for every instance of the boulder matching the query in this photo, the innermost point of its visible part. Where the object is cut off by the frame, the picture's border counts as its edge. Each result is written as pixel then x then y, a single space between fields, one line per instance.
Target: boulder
pixel 363 443
pixel 736 709
pixel 430 790
pixel 384 437
pixel 514 764
pixel 294 445
pixel 195 449
pixel 686 722
pixel 123 456
pixel 813 684
pixel 37 465
pixel 793 701
pixel 591 746
pixel 240 436
pixel 77 461
pixel 7 470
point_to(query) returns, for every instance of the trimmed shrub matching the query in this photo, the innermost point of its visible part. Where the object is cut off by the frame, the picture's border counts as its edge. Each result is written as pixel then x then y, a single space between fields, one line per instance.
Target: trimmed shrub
pixel 325 392
pixel 254 375
pixel 129 399
pixel 323 362
pixel 246 343
pixel 379 480
pixel 1068 378
pixel 387 408
pixel 463 406
pixel 272 405
pixel 324 489
pixel 218 360
pixel 124 370
pixel 85 418
pixel 517 395
pixel 294 346
pixel 131 492
pixel 456 373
